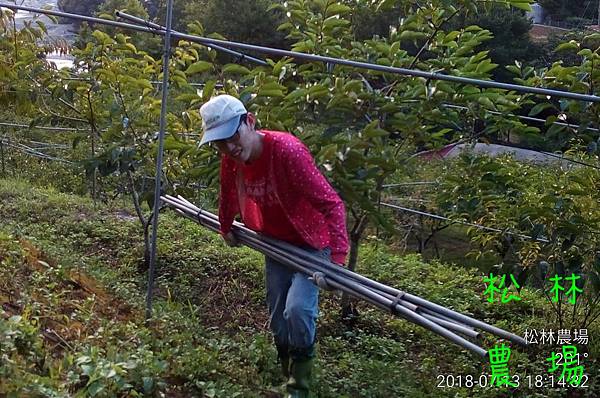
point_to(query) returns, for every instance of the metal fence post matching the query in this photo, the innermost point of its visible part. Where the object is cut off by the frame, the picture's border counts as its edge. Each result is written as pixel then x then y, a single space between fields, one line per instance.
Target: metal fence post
pixel 159 159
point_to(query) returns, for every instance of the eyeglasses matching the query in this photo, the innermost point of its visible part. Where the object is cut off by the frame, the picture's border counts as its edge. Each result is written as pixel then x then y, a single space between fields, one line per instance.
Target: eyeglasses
pixel 221 145
pixel 236 135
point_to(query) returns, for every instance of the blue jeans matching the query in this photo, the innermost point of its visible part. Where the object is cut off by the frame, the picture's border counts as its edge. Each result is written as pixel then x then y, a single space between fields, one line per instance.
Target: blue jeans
pixel 293 302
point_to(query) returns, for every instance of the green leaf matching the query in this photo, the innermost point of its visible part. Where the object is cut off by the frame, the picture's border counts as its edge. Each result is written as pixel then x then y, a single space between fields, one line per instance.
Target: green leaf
pixel 208 90
pixel 275 6
pixel 385 5
pixel 522 4
pixel 296 94
pixel 148 385
pixel 486 102
pixel 101 36
pixel 42 26
pixel 270 93
pixel 451 36
pixel 87 369
pixel 328 152
pixel 272 86
pixel 572 45
pixel 372 130
pixel 235 68
pixel 539 108
pixel 485 66
pixel 95 388
pixel 198 67
pixel 336 8
pixel 186 97
pixel 412 35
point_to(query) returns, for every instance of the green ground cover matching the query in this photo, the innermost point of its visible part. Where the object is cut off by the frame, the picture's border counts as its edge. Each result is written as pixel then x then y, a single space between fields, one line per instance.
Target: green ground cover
pixel 72 324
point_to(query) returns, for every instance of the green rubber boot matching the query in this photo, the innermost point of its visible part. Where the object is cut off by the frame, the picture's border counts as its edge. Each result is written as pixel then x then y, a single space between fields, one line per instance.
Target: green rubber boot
pixel 298 385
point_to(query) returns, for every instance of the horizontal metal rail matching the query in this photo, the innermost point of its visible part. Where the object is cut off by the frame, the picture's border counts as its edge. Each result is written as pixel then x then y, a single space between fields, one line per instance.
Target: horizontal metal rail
pixel 320 58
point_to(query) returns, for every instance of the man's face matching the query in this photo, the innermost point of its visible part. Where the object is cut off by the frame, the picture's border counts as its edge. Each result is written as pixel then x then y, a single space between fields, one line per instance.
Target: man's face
pixel 238 146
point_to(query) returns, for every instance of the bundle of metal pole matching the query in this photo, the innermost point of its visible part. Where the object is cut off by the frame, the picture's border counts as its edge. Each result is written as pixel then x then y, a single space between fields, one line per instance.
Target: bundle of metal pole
pixel 318 58
pixel 457 317
pixel 255 241
pixel 422 312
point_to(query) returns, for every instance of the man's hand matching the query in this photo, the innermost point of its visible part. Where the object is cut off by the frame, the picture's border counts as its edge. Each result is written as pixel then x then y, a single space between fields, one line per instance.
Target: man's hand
pixel 230 239
pixel 319 279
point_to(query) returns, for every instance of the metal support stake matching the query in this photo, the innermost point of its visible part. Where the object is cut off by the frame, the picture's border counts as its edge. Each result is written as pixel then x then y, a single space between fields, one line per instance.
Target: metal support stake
pixel 159 158
pixel 2 156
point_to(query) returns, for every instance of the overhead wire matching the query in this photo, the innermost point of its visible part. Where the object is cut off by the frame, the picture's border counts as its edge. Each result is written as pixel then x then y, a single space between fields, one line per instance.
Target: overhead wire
pixel 453 221
pixel 158 29
pixel 528 118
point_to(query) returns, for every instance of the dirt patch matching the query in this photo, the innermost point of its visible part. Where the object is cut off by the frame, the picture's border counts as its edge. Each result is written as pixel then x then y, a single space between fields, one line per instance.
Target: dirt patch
pixel 81 216
pixel 69 303
pixel 124 215
pixel 229 306
pixel 540 33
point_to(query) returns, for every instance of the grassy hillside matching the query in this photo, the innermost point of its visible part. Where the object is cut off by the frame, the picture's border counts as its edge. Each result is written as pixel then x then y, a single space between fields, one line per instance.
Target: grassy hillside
pixel 71 318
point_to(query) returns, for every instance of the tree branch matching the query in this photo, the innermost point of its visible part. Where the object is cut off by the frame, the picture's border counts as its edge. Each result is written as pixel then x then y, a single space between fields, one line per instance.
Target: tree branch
pixel 136 198
pixel 427 42
pixel 62 101
pixel 130 121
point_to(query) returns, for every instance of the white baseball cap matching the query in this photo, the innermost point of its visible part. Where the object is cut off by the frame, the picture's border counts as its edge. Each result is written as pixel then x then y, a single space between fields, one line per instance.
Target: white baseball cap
pixel 221 117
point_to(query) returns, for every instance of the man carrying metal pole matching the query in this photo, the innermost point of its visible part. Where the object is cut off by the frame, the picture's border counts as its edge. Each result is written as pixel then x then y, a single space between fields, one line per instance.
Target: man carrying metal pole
pixel 271 180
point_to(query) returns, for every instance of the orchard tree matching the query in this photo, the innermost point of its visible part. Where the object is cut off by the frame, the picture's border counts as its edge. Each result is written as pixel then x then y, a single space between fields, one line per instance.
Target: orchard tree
pixel 245 21
pixel 510 42
pixel 562 9
pixel 88 7
pixel 151 44
pixel 549 220
pixel 581 75
pixel 117 98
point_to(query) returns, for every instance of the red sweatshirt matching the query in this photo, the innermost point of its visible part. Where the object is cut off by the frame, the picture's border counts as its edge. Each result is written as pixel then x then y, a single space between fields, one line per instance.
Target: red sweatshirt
pixel 283 195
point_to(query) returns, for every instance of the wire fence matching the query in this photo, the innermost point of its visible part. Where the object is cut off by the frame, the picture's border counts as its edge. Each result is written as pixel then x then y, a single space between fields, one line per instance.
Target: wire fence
pixel 47 128
pixel 454 221
pixel 34 153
